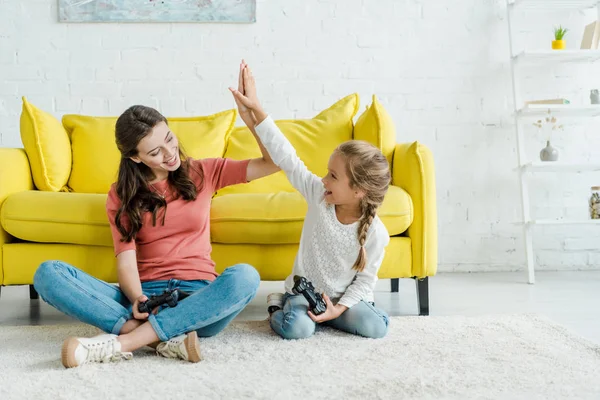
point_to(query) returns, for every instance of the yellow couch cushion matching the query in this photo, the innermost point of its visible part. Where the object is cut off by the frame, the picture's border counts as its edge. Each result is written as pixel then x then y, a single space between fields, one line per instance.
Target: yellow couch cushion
pixel 314 140
pixel 264 218
pixel 278 217
pixel 96 157
pixel 377 127
pixel 75 218
pixel 47 146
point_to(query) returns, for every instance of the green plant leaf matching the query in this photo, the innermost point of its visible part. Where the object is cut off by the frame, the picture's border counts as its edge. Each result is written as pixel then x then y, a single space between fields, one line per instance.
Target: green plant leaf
pixel 560 32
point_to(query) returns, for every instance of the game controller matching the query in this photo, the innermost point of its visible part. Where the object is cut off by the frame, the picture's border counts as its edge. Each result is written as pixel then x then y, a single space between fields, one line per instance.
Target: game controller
pixel 304 287
pixel 169 297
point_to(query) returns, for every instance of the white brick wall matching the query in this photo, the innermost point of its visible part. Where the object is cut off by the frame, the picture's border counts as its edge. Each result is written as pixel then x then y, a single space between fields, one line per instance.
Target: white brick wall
pixel 439 67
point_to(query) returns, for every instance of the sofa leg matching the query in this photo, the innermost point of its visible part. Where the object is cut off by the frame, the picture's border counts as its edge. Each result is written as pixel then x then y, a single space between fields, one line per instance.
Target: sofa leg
pixel 423 295
pixel 395 285
pixel 33 294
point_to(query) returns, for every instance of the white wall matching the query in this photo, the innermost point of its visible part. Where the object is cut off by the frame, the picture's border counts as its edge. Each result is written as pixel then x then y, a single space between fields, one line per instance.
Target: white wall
pixel 439 67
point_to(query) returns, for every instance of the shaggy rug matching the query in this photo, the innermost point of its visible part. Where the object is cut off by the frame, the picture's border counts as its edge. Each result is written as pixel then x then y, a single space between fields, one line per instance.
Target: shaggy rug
pixel 492 357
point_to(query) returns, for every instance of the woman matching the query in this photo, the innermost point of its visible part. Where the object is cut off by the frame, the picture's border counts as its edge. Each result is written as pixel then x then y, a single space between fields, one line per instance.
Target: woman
pixel 159 213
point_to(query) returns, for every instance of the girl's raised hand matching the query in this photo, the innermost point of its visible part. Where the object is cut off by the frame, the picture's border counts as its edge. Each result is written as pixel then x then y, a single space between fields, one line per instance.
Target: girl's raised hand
pixel 245 96
pixel 242 108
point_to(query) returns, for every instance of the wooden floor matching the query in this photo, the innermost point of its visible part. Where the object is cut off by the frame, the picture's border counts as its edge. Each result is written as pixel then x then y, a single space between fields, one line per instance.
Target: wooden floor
pixel 569 298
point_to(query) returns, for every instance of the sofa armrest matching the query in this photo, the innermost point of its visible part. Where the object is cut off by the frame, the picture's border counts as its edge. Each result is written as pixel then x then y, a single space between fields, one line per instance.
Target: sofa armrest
pixel 15 176
pixel 413 170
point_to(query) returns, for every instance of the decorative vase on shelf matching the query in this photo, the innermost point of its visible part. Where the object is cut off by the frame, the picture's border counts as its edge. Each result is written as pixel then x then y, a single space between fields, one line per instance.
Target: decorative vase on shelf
pixel 549 153
pixel 594 96
pixel 559 44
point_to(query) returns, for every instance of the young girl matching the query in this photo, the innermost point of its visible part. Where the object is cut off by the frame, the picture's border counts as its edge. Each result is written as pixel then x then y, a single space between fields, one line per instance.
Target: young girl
pixel 159 214
pixel 343 240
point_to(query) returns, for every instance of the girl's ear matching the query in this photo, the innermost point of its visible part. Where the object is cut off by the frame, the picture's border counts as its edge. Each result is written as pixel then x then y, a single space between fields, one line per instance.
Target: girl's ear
pixel 136 159
pixel 359 194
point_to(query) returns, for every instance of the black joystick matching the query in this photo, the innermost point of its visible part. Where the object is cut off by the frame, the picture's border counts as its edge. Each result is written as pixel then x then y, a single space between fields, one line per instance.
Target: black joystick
pixel 303 286
pixel 169 297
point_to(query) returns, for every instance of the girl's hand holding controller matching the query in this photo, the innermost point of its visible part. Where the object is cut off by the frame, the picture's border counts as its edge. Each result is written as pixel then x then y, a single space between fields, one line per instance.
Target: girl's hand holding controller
pixel 332 312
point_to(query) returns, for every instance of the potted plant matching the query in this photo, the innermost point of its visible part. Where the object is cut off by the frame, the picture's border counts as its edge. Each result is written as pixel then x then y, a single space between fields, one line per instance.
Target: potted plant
pixel 559 33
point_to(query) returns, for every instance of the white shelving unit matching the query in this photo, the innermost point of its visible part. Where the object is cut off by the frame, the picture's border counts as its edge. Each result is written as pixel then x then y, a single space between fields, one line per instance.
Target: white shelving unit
pixel 564 222
pixel 540 166
pixel 562 110
pixel 522 113
pixel 557 57
pixel 545 5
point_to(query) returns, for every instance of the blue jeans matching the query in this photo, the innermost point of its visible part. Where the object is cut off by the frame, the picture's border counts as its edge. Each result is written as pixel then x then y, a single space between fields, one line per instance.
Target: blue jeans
pixel 208 310
pixel 293 322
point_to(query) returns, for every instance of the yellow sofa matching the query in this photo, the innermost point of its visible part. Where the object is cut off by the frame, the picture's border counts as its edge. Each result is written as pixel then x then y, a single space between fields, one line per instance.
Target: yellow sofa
pixel 53 193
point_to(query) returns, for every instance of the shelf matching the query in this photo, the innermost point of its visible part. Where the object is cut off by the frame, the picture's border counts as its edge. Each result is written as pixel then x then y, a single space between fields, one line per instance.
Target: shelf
pixel 546 57
pixel 545 5
pixel 556 166
pixel 563 110
pixel 565 222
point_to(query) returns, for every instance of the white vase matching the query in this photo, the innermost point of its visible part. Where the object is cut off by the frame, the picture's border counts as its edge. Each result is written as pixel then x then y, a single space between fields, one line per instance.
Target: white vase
pixel 549 153
pixel 594 96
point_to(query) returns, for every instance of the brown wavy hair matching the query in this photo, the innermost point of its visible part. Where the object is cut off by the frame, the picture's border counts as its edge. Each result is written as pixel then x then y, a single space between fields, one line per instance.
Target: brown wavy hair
pixel 133 178
pixel 368 170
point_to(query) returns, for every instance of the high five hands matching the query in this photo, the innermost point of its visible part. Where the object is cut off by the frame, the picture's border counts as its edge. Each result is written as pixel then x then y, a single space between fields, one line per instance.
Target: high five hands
pixel 245 97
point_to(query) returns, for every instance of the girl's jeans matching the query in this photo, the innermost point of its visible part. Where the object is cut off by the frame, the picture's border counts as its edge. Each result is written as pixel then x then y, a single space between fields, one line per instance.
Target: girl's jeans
pixel 208 310
pixel 293 322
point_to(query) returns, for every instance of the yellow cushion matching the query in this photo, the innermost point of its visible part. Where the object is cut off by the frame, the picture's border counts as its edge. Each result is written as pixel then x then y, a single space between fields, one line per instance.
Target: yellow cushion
pixel 47 146
pixel 377 127
pixel 75 218
pixel 96 157
pixel 275 218
pixel 278 217
pixel 314 140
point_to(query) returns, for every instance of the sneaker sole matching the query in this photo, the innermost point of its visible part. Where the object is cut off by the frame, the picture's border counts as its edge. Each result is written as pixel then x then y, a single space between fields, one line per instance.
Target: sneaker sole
pixel 276 301
pixel 193 347
pixel 68 352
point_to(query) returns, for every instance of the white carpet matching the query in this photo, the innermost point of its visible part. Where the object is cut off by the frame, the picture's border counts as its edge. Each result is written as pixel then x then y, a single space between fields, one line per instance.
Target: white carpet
pixel 495 357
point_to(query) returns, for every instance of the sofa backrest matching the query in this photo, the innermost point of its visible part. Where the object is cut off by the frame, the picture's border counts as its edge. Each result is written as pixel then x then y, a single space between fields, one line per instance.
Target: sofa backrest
pixel 80 154
pixel 96 157
pixel 314 140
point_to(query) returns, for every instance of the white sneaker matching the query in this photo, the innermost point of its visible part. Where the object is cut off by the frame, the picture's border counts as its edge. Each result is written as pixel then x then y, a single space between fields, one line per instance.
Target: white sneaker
pixel 274 302
pixel 102 348
pixel 186 347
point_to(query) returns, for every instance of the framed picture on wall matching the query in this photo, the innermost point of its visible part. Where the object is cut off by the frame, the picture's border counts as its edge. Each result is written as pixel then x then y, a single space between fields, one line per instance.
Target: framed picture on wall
pixel 233 11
